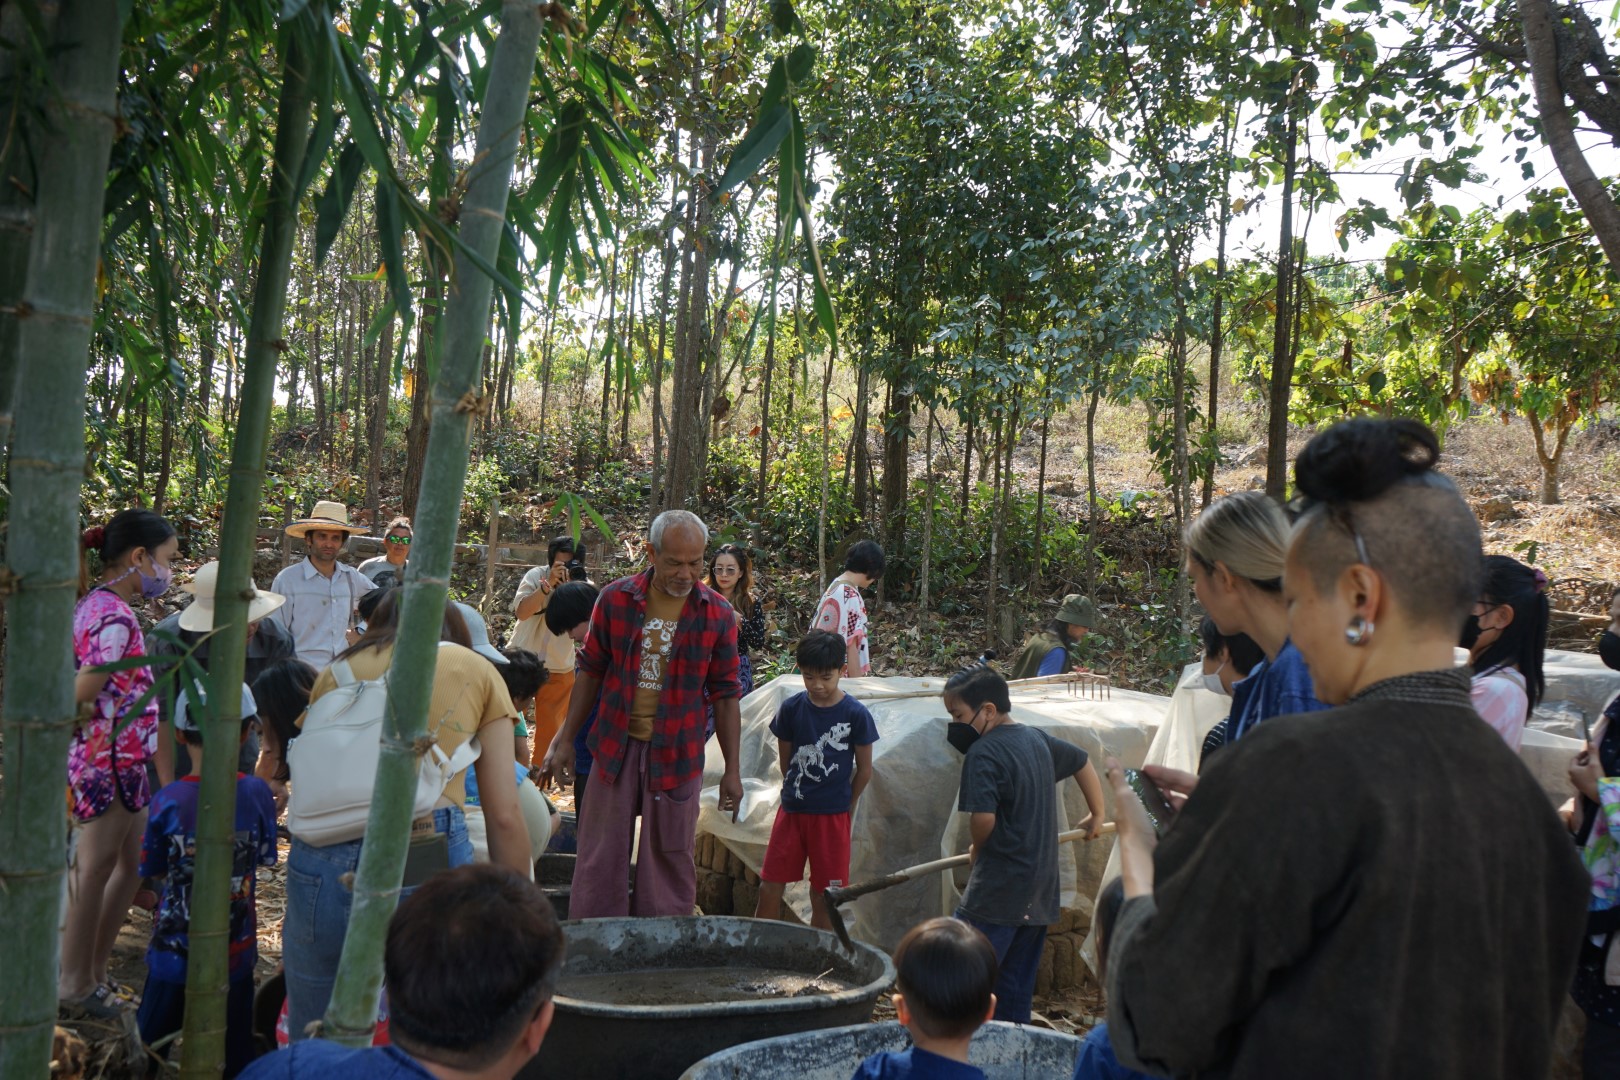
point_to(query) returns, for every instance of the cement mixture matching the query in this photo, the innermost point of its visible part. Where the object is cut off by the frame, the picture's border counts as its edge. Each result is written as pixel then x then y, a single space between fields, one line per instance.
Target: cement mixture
pixel 697 985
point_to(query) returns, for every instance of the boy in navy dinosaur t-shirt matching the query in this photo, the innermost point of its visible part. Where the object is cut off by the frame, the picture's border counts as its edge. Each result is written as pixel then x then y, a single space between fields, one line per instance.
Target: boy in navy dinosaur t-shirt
pixel 824 738
pixel 169 851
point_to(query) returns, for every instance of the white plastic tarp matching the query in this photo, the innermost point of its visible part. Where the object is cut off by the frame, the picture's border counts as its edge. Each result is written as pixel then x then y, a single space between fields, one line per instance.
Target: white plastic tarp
pixel 908 814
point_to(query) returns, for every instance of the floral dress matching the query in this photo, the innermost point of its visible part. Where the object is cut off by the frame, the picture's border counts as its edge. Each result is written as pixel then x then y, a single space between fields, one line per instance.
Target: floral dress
pixel 104 758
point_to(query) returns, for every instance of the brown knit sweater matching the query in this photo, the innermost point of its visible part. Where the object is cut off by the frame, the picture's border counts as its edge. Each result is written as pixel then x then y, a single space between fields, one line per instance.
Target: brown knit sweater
pixel 1379 890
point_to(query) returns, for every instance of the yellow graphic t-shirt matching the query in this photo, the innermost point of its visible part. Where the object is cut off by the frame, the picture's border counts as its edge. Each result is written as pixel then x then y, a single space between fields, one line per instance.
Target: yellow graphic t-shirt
pixel 657 635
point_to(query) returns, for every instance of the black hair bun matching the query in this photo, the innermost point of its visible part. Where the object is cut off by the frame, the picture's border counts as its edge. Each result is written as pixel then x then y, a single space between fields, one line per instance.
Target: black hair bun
pixel 1357 460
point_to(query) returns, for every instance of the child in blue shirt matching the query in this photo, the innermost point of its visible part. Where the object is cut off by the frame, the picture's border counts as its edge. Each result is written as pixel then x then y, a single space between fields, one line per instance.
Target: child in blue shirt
pixel 824 740
pixel 1097 1060
pixel 946 990
pixel 168 851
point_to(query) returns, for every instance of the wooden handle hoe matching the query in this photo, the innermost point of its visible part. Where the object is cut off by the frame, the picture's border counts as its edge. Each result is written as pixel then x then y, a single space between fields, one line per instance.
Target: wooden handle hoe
pixel 839 894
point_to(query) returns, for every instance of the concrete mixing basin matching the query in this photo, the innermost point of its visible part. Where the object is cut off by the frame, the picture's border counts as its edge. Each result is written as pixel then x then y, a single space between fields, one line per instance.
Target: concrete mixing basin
pixel 608 1041
pixel 1003 1051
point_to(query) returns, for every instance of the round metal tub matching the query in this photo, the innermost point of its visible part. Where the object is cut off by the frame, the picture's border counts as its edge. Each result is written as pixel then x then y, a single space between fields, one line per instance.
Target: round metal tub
pixel 658 1042
pixel 1003 1051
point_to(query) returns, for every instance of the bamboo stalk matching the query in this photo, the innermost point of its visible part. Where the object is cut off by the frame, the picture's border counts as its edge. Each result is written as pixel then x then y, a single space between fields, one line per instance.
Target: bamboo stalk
pixel 353 1009
pixel 207 973
pixel 53 333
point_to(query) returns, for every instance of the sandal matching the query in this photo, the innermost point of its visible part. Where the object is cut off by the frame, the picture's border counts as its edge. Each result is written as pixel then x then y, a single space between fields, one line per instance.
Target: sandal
pixel 98 1004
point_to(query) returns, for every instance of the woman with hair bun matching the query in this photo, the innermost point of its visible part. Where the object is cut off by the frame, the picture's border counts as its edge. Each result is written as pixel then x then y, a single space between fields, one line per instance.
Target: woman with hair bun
pixel 1378 890
pixel 1235 552
pixel 1506 638
pixel 108 789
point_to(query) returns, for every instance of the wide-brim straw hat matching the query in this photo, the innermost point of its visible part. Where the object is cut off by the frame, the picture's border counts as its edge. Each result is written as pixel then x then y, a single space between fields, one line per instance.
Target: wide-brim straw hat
pixel 327 515
pixel 199 615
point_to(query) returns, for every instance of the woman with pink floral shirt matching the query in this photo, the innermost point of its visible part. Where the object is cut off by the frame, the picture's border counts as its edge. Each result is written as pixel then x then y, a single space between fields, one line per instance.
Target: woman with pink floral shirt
pixel 107 784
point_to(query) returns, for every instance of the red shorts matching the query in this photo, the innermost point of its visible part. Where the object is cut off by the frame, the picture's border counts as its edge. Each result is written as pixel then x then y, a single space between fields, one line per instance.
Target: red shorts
pixel 823 839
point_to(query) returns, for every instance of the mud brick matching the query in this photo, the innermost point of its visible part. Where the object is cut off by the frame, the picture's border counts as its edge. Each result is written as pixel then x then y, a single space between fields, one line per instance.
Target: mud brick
pixel 1043 973
pixel 714 893
pixel 750 877
pixel 744 897
pixel 1063 962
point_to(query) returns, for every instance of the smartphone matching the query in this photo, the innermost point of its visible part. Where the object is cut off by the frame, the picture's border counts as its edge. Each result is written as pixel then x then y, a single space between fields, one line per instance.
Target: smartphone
pixel 1159 811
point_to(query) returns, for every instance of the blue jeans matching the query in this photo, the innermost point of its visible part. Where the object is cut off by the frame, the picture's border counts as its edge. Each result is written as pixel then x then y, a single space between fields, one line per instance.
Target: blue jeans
pixel 1018 955
pixel 318 915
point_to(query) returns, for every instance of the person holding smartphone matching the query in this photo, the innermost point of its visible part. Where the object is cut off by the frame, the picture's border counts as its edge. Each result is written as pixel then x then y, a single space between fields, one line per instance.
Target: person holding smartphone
pixel 534 593
pixel 1377 889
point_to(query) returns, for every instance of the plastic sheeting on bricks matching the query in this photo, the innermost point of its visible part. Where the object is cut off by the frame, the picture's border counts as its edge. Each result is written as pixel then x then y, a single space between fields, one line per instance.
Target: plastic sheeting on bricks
pixel 908 814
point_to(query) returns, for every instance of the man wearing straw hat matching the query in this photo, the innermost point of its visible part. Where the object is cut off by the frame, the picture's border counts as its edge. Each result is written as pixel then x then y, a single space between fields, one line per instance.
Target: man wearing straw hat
pixel 190 630
pixel 321 592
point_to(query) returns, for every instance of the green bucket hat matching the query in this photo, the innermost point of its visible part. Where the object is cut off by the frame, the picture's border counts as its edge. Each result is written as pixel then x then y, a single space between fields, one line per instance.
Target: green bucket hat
pixel 1078 610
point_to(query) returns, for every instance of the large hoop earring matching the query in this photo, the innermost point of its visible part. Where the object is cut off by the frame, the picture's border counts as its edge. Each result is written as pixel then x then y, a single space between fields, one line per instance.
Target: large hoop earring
pixel 1360 630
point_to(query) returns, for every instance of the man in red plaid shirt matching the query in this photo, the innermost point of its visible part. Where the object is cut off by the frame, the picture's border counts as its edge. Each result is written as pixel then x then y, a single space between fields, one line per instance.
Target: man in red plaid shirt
pixel 657 641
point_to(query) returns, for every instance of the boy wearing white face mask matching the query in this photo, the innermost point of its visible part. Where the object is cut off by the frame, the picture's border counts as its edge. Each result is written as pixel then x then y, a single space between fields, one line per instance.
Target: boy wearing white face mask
pixel 1228 660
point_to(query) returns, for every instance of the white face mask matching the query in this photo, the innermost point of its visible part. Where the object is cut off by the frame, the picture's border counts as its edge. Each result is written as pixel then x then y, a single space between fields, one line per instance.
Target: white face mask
pixel 1211 681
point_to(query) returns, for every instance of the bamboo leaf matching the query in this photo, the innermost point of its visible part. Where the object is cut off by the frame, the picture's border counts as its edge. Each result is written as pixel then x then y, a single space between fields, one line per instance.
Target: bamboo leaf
pixel 390 234
pixel 332 205
pixel 759 143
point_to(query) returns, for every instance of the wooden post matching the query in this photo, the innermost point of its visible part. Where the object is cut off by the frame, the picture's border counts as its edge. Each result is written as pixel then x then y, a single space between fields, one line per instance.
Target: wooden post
pixel 489 555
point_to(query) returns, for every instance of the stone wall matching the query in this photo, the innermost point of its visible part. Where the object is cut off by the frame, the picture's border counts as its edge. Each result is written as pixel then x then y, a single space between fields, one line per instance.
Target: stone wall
pixel 726 887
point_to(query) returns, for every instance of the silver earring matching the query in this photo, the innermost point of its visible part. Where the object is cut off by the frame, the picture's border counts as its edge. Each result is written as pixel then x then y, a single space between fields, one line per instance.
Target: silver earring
pixel 1360 630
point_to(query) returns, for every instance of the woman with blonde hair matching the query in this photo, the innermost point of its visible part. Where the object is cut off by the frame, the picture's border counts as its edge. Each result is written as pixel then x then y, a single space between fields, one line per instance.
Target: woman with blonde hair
pixel 1235 554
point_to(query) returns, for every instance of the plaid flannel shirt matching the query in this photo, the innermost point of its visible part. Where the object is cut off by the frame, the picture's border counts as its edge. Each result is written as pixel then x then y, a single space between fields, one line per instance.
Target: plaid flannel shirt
pixel 702 657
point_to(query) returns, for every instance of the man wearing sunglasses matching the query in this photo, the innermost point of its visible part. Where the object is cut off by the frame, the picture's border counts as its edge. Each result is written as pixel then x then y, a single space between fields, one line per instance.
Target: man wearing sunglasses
pixel 389 567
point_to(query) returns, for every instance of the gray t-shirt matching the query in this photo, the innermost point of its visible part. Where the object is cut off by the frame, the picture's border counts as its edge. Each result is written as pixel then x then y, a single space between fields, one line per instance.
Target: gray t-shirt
pixel 1012 772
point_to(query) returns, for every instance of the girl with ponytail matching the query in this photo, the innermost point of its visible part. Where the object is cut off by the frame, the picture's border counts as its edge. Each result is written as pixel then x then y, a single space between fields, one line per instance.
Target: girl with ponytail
pixel 107 779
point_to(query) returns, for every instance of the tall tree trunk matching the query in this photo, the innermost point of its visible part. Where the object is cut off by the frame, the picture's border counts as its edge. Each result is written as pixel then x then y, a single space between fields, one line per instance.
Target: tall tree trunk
pixel 858 460
pixel 928 519
pixel 610 348
pixel 207 973
pixel 1558 127
pixel 317 379
pixel 826 470
pixel 656 364
pixel 765 387
pixel 1040 496
pixel 1091 487
pixel 353 1010
pixel 1282 357
pixel 683 481
pixel 379 420
pixel 897 457
pixel 545 365
pixel 160 490
pixel 1549 459
pixel 53 332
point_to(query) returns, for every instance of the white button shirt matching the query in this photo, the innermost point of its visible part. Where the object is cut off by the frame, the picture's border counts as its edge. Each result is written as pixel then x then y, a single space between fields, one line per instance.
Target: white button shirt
pixel 319 610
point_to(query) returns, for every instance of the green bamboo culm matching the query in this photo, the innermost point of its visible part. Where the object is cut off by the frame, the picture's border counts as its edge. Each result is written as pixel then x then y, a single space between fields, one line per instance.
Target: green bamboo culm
pixel 353 1009
pixel 72 145
pixel 20 55
pixel 208 965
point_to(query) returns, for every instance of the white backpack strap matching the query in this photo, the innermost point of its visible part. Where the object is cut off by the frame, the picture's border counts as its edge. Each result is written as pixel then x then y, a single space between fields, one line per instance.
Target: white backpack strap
pixel 464 757
pixel 343 673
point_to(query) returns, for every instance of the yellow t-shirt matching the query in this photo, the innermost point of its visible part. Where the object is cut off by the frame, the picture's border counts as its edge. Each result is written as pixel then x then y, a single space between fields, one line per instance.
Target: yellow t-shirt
pixel 468 694
pixel 657 636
